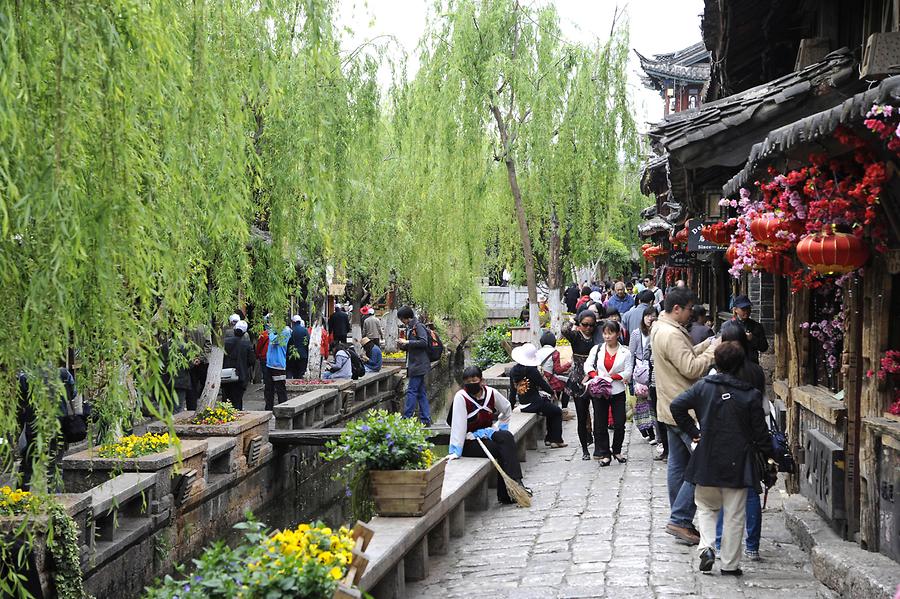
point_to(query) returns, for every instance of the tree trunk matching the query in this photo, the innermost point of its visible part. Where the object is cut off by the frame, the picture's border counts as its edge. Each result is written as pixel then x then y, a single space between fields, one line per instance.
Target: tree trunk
pixel 213 377
pixel 533 319
pixel 554 277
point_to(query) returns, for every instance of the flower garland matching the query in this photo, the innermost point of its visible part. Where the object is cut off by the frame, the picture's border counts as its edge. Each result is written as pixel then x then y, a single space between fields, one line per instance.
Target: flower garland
pixel 222 413
pixel 133 446
pixel 829 331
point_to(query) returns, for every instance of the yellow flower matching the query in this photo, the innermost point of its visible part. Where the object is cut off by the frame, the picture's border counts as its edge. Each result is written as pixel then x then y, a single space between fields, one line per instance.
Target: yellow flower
pixel 336 573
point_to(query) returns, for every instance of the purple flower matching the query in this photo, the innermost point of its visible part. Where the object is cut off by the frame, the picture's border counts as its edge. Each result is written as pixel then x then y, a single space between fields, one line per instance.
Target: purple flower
pixel 364 428
pixel 347 492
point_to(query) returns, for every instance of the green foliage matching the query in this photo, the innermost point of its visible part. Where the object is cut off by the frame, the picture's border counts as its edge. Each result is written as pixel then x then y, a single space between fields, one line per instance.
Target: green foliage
pixel 382 441
pixel 306 563
pixel 489 348
pixel 65 552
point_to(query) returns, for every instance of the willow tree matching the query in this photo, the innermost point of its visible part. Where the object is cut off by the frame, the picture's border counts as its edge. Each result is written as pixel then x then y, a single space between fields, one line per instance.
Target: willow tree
pixel 558 119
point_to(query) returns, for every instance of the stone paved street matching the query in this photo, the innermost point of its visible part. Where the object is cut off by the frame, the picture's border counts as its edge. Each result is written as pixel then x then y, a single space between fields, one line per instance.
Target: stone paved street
pixel 598 532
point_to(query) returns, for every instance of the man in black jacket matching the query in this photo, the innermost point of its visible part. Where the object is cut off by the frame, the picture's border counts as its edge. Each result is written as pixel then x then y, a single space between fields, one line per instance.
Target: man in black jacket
pixel 571 296
pixel 339 324
pixel 239 355
pixel 756 334
pixel 722 466
pixel 418 364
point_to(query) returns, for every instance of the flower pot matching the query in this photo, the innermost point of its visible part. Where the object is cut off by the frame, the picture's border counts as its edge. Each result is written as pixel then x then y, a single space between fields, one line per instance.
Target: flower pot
pixel 407 492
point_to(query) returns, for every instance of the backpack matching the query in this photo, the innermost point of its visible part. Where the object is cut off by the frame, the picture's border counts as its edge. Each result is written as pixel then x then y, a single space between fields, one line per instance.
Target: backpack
pixel 356 364
pixel 435 346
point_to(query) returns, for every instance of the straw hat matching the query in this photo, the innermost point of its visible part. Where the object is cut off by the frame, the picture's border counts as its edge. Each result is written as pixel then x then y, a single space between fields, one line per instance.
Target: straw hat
pixel 529 355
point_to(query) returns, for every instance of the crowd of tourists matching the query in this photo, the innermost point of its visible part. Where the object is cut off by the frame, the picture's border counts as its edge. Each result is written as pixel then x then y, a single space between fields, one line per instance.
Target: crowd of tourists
pixel 699 400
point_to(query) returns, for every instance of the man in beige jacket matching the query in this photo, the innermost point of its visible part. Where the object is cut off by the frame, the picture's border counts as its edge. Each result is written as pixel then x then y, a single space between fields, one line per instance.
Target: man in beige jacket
pixel 677 365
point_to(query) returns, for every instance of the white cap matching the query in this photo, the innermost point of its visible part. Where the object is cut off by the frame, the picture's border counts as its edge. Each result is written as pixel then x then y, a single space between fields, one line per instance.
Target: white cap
pixel 296 318
pixel 595 296
pixel 234 318
pixel 241 325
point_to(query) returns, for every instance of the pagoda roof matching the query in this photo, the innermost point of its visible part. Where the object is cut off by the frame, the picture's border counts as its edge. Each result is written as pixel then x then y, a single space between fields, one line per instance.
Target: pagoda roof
pixel 690 65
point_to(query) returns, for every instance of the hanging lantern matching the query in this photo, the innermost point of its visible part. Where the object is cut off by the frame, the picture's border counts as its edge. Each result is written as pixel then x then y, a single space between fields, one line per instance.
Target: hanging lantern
pixel 775 263
pixel 719 233
pixel 731 254
pixel 837 253
pixel 765 230
pixel 682 235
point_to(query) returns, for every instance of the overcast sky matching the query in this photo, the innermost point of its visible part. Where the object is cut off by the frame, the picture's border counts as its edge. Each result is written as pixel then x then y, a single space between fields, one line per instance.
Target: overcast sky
pixel 657 26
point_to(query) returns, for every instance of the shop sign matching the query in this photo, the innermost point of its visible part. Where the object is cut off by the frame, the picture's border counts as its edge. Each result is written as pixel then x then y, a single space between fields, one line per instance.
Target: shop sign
pixel 680 258
pixel 696 242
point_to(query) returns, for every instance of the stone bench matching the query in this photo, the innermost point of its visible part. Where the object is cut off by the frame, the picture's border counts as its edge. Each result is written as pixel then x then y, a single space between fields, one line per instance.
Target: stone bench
pixel 315 409
pixel 120 514
pixel 373 387
pixel 494 377
pixel 400 547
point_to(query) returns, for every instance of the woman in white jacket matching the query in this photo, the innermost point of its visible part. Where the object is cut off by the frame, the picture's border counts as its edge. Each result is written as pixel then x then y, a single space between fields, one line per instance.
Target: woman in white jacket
pixel 611 362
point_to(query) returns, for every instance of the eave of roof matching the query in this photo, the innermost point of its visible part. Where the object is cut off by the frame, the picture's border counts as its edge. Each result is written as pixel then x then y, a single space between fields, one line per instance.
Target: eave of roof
pixel 812 129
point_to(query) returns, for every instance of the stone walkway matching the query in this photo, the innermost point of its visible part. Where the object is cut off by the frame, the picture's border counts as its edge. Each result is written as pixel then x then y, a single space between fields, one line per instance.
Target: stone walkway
pixel 598 532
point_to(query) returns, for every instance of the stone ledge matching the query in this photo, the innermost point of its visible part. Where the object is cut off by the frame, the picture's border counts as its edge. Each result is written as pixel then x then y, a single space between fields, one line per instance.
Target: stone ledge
pixel 840 565
pixel 820 402
pixel 89 460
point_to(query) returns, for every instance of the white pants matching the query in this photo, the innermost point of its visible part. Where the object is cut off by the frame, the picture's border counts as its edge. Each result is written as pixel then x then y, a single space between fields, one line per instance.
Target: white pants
pixel 709 501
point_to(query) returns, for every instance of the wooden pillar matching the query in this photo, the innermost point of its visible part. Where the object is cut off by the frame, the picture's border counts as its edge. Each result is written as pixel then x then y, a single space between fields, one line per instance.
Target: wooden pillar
pixel 796 346
pixel 850 369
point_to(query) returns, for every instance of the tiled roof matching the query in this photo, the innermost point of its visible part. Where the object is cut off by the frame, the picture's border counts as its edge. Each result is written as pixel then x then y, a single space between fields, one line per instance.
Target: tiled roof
pixel 813 128
pixel 759 106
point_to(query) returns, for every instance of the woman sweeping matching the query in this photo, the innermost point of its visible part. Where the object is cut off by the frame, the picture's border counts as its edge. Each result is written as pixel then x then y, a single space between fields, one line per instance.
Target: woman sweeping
pixel 581 338
pixel 476 407
pixel 612 363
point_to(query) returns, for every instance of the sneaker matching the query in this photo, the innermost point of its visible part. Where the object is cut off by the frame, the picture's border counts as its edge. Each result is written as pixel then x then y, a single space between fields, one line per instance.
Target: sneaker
pixel 558 444
pixel 707 559
pixel 653 441
pixel 688 535
pixel 753 556
pixel 737 572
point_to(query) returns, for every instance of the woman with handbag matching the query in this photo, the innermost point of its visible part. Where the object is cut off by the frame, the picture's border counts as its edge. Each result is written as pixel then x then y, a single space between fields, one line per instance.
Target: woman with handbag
pixel 581 338
pixel 609 369
pixel 639 346
pixel 725 461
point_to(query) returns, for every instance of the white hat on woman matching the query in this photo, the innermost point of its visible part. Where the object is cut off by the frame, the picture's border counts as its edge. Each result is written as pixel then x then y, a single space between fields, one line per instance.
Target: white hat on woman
pixel 529 355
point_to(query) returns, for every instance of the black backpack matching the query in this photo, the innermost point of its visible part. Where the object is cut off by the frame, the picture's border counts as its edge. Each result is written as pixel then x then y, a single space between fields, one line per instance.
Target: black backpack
pixel 356 364
pixel 435 347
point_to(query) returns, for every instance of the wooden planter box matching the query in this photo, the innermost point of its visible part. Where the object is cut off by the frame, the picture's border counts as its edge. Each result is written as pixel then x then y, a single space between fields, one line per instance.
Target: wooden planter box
pixel 250 428
pixel 407 492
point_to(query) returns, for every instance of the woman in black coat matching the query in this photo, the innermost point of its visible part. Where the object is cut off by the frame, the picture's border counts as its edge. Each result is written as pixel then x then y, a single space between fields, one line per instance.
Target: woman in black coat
pixel 733 426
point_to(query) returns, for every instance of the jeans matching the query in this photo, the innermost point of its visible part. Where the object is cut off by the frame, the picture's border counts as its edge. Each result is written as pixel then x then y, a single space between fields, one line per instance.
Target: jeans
pixel 296 367
pixel 754 522
pixel 681 492
pixel 415 395
pixel 602 407
pixel 552 412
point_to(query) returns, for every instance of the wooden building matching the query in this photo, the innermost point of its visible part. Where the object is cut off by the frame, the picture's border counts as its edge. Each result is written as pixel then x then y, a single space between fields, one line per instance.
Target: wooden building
pixel 787 77
pixel 679 77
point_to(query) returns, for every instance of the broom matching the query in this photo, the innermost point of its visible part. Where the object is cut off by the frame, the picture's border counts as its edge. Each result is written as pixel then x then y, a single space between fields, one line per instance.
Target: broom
pixel 515 489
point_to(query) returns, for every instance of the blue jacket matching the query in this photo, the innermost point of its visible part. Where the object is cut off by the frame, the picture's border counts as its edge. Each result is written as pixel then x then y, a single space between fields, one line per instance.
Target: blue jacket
pixel 374 363
pixel 276 356
pixel 622 305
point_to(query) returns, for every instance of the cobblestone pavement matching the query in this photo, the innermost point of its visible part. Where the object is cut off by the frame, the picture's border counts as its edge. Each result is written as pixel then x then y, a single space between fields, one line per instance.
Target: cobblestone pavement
pixel 598 532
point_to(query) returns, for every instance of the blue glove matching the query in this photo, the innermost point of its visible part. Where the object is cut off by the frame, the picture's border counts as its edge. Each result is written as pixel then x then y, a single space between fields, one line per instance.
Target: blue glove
pixel 483 433
pixel 503 426
pixel 456 450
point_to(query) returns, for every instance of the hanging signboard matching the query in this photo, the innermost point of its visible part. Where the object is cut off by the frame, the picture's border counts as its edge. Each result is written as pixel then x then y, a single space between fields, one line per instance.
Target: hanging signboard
pixel 696 242
pixel 680 258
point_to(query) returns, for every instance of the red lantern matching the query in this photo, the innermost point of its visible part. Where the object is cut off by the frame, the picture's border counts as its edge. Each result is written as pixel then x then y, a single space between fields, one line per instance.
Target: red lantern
pixel 775 263
pixel 682 235
pixel 731 254
pixel 764 230
pixel 718 234
pixel 830 254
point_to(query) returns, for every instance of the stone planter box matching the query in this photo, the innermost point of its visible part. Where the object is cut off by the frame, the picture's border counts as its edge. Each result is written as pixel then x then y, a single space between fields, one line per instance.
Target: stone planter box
pixel 401 362
pixel 519 335
pixel 340 385
pixel 407 492
pixel 174 481
pixel 251 430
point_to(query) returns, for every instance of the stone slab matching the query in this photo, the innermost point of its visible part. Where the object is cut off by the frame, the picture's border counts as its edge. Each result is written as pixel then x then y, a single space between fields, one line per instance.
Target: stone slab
pixel 104 497
pixel 183 428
